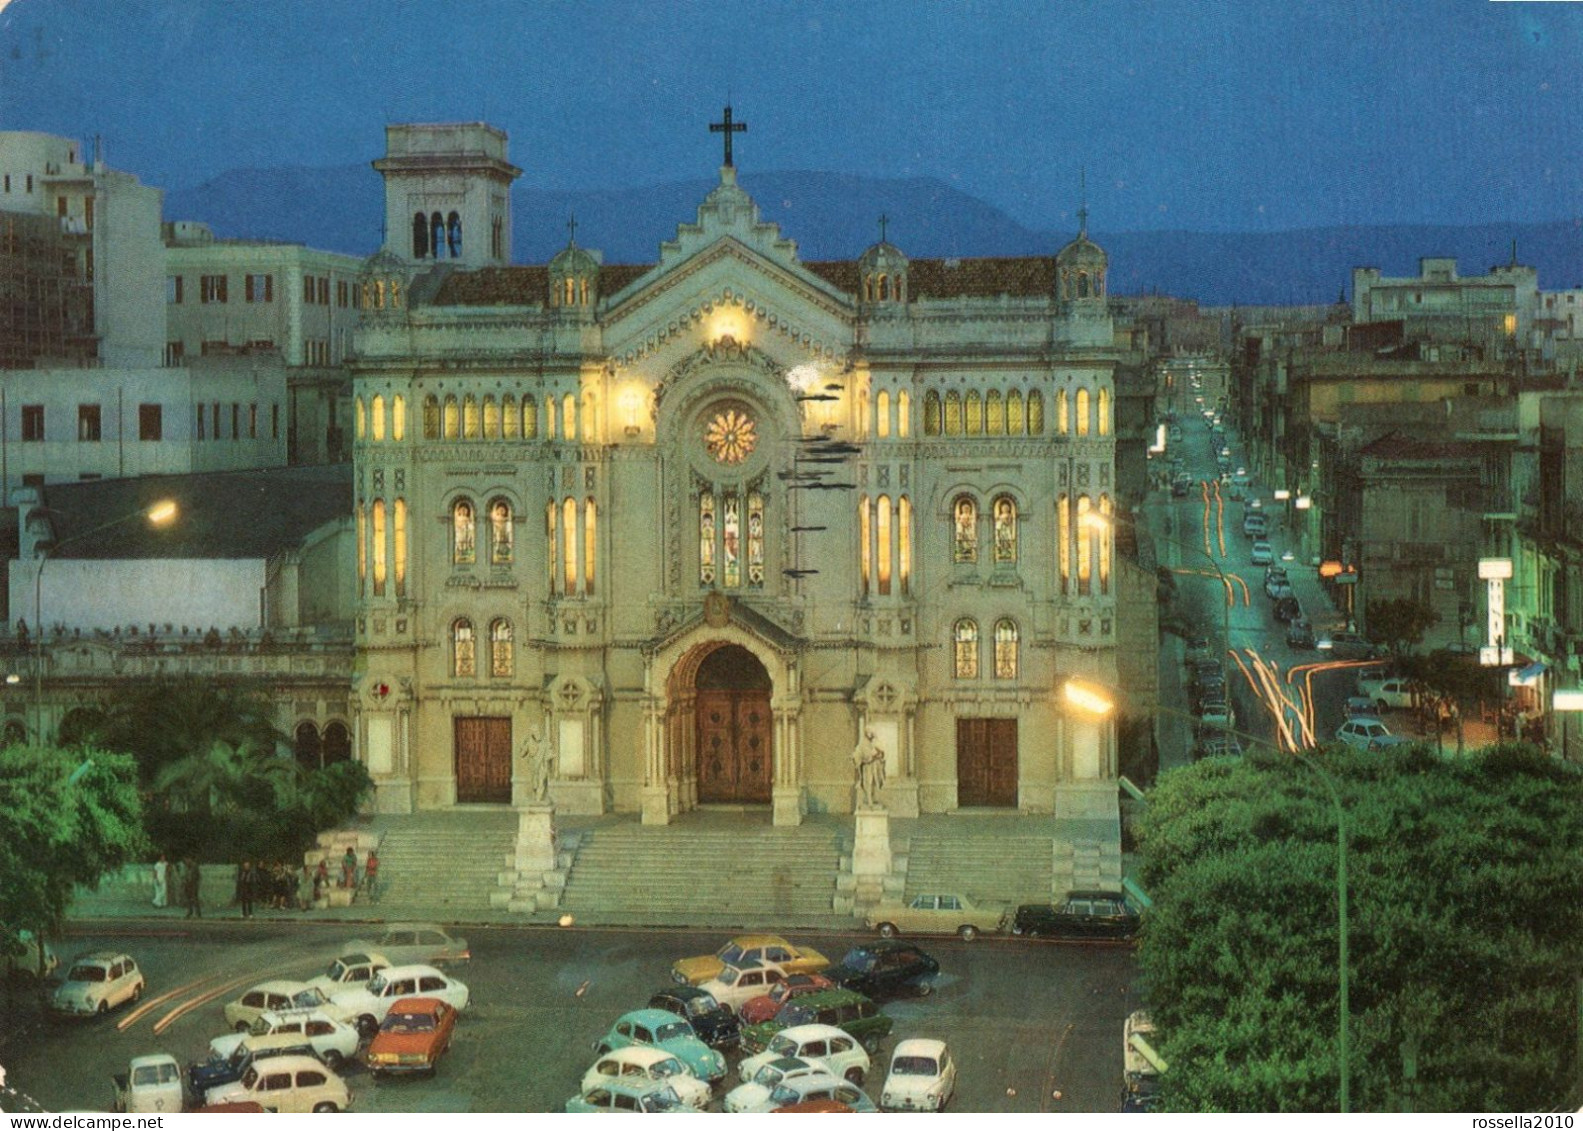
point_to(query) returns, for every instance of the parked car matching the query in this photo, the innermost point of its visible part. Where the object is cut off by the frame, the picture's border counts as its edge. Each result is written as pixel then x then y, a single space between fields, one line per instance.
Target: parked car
pixel 97 983
pixel 349 970
pixel 1389 742
pixel 1261 553
pixel 1346 646
pixel 1359 732
pixel 1274 575
pixel 413 1036
pixel 288 1084
pixel 1392 692
pixel 1287 609
pixel 1280 591
pixel 848 1011
pixel 664 1030
pixel 28 960
pixel 922 1077
pixel 1255 524
pixel 714 1022
pixel 367 1005
pixel 149 1084
pixel 647 1067
pixel 763 1007
pixel 937 913
pixel 749 950
pixel 1299 633
pixel 208 1075
pixel 735 986
pixel 752 1095
pixel 408 944
pixel 625 1097
pixel 1081 915
pixel 843 1052
pixel 332 1040
pixel 813 1089
pixel 885 969
pixel 276 996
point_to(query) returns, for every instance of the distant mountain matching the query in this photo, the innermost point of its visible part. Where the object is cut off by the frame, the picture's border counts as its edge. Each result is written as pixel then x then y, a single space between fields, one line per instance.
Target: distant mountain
pixel 835 216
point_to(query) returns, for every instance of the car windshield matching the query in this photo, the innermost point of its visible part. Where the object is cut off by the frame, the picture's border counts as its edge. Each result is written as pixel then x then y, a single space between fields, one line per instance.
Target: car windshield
pixel 729 976
pixel 249 1078
pixel 408 1023
pixel 914 1066
pixel 308 998
pixel 376 984
pixel 794 1014
pixel 665 1099
pixel 260 1027
pixel 783 1095
pixel 668 1067
pixel 86 973
pixel 769 1075
pixel 337 971
pixel 730 954
pixel 783 1046
pixel 859 959
pixel 702 1004
pixel 673 1031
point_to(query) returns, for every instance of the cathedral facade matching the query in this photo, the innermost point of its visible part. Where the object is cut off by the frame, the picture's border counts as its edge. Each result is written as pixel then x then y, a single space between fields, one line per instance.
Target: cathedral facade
pixel 699 526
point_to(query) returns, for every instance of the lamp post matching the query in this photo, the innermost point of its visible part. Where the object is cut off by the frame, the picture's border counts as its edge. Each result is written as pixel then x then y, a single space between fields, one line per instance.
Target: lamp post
pixel 162 513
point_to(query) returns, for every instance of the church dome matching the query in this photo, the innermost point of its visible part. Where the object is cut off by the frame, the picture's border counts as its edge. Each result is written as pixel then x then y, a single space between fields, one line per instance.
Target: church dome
pixel 1081 266
pixel 573 260
pixel 574 277
pixel 883 271
pixel 383 280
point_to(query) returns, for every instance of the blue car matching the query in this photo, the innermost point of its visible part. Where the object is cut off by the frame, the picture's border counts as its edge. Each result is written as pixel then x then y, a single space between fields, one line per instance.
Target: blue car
pixel 664 1030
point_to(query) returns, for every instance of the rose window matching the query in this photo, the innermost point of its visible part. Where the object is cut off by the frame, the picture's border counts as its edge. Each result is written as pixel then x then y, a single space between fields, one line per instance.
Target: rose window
pixel 730 436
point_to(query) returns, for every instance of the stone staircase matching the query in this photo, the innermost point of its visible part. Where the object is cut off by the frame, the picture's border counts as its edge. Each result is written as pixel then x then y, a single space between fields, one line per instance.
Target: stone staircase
pixel 439 865
pixel 996 864
pixel 754 874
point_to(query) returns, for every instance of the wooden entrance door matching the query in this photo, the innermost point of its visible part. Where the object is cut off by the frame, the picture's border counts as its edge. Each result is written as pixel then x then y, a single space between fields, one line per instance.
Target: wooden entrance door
pixel 986 762
pixel 732 716
pixel 483 760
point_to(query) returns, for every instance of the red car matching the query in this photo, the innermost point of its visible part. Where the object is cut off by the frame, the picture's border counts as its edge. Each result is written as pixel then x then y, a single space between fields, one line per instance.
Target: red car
pixel 414 1034
pixel 765 1006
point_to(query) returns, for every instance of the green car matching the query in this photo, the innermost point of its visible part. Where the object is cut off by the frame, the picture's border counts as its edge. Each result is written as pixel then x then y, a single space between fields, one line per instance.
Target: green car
pixel 662 1029
pixel 845 1009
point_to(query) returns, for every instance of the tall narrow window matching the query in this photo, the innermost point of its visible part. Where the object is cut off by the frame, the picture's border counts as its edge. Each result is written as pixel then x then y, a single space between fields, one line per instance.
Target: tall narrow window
pixel 399 539
pixel 1063 541
pixel 904 543
pixel 568 417
pixel 464 656
pixel 464 545
pixel 1106 541
pixel 994 413
pixel 362 548
pixel 953 413
pixel 398 418
pixel 1082 412
pixel 975 414
pixel 1063 419
pixel 420 236
pixel 530 419
pixel 1016 423
pixel 931 413
pixel 376 418
pixel 882 549
pixel 552 525
pixel 865 550
pixel 966 640
pixel 1104 412
pixel 500 532
pixel 551 415
pixel 431 417
pixel 1005 648
pixel 755 539
pixel 731 540
pixel 1085 547
pixel 500 659
pixel 510 421
pixel 1035 413
pixel 706 538
pixel 491 419
pixel 882 415
pixel 903 407
pixel 359 420
pixel 453 419
pixel 379 547
pixel 965 522
pixel 470 417
pixel 1005 530
pixel 590 543
pixel 569 547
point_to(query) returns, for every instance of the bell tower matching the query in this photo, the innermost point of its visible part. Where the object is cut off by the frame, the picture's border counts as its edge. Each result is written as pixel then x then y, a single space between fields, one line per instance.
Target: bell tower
pixel 447 194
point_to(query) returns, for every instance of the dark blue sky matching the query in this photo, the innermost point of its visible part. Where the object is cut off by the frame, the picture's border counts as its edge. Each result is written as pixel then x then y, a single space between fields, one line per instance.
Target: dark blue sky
pixel 1236 115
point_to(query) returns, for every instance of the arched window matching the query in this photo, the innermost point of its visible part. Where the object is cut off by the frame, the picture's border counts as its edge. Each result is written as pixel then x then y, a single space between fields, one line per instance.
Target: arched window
pixel 931 413
pixel 337 744
pixel 1035 413
pixel 755 538
pixel 398 418
pixel 1104 412
pixel 1106 542
pixel 359 420
pixel 470 427
pixel 491 419
pixel 1082 284
pixel 305 746
pixel 464 654
pixel 376 418
pixel 1085 547
pixel 362 548
pixel 862 411
pixel 1063 541
pixel 431 417
pixel 420 236
pixel 453 234
pixel 552 541
pixel 865 544
pixel 965 634
pixel 904 543
pixel 903 407
pixel 510 421
pixel 1082 412
pixel 1016 423
pixel 500 532
pixel 568 417
pixel 500 657
pixel 464 545
pixel 1005 648
pixel 882 414
pixel 882 544
pixel 453 419
pixel 569 561
pixel 884 287
pixel 379 547
pixel 399 539
pixel 953 413
pixel 994 413
pixel 1063 418
pixel 437 234
pixel 530 419
pixel 1005 513
pixel 590 542
pixel 706 538
pixel 975 414
pixel 964 517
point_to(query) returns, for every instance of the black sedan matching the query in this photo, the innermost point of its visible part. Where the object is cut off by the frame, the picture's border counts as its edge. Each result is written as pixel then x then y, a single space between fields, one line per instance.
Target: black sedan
pixel 884 969
pixel 1082 915
pixel 715 1025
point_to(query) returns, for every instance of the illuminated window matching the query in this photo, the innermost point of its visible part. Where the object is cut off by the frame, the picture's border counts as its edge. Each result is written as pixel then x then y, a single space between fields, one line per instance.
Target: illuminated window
pixel 994 414
pixel 975 414
pixel 904 543
pixel 552 541
pixel 1016 423
pixel 510 421
pixel 1006 649
pixel 464 657
pixel 1085 547
pixel 706 538
pixel 500 657
pixel 964 517
pixel 431 417
pixel 359 420
pixel 731 540
pixel 882 415
pixel 568 417
pixel 500 532
pixel 755 539
pixel 399 533
pixel 464 546
pixel 569 561
pixel 470 417
pixel 882 549
pixel 931 413
pixel 379 547
pixel 398 418
pixel 953 413
pixel 1104 412
pixel 453 419
pixel 590 542
pixel 1064 541
pixel 903 407
pixel 1082 412
pixel 966 650
pixel 1106 542
pixel 1005 514
pixel 1035 413
pixel 491 419
pixel 376 419
pixel 865 545
pixel 530 419
pixel 1063 420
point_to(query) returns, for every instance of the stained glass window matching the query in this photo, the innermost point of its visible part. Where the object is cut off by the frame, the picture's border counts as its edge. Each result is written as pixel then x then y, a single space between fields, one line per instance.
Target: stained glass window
pixel 965 516
pixel 882 549
pixel 500 659
pixel 469 417
pixel 755 539
pixel 1016 424
pixel 399 523
pixel 731 540
pixel 1006 649
pixel 464 549
pixel 1035 413
pixel 510 421
pixel 730 436
pixel 1005 530
pixel 500 532
pixel 491 419
pixel 953 413
pixel 966 634
pixel 931 413
pixel 706 538
pixel 464 657
pixel 975 415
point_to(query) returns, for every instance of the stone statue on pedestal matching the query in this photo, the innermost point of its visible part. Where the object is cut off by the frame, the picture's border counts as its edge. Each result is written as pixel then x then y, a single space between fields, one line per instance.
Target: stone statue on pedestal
pixel 868 769
pixel 540 754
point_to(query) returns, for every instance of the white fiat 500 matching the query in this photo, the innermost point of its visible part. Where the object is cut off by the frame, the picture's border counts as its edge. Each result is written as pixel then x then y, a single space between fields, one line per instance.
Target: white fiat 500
pixel 922 1077
pixel 734 986
pixel 839 1050
pixel 638 1064
pixel 287 1083
pixel 97 983
pixel 366 1005
pixel 335 1041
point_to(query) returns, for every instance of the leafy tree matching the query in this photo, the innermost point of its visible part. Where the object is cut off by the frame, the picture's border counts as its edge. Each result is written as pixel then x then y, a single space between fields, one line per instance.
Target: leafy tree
pixel 167 720
pixel 1400 621
pixel 67 817
pixel 1466 930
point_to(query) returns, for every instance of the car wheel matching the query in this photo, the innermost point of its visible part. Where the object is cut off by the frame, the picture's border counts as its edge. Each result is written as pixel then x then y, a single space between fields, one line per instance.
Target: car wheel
pixel 367 1026
pixel 855 1076
pixel 333 1059
pixel 326 1107
pixel 137 992
pixel 968 932
pixel 240 1027
pixel 887 930
pixel 871 1044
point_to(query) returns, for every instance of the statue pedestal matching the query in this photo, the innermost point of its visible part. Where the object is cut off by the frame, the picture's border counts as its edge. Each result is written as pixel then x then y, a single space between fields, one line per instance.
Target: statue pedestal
pixel 533 878
pixel 535 851
pixel 871 859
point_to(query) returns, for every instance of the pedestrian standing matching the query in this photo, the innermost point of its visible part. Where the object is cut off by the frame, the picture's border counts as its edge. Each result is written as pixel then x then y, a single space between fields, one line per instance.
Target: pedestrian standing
pixel 161 881
pixel 246 885
pixel 349 868
pixel 305 887
pixel 192 889
pixel 371 875
pixel 321 880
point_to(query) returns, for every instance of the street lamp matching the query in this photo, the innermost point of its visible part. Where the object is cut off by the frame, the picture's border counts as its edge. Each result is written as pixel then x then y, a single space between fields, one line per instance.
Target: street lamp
pixel 161 513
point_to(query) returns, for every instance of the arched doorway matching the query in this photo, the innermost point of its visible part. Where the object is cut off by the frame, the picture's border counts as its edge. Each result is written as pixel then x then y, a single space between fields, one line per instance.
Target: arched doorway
pixel 732 720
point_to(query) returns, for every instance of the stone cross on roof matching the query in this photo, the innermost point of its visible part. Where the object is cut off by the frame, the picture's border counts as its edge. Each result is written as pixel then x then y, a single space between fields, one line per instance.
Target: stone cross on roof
pixel 728 127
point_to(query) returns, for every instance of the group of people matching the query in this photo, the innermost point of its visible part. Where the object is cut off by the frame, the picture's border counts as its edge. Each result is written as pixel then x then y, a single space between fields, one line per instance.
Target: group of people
pixel 276 886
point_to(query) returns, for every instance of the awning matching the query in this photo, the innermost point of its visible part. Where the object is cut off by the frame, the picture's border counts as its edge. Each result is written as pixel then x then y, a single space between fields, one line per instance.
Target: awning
pixel 1527 676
